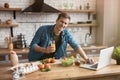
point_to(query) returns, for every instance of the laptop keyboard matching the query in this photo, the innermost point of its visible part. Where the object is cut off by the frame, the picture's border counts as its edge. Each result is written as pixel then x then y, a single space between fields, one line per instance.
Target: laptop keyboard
pixel 94 65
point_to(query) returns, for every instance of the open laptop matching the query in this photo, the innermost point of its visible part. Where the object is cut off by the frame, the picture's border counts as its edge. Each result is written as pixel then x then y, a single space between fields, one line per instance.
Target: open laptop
pixel 104 59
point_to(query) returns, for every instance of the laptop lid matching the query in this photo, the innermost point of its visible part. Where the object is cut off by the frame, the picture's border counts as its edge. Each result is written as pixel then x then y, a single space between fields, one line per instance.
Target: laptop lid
pixel 104 59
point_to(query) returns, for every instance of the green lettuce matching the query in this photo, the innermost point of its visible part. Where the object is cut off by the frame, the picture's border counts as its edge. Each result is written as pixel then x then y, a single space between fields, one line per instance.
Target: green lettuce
pixel 116 53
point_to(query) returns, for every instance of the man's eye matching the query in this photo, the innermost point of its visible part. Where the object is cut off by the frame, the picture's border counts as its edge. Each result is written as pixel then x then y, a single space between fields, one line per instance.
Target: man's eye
pixel 61 21
pixel 65 23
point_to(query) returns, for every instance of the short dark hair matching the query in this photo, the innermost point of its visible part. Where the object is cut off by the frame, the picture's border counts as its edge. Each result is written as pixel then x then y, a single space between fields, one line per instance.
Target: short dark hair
pixel 64 15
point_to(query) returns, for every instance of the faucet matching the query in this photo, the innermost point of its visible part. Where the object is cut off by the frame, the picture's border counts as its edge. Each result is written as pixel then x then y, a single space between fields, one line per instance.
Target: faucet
pixel 86 36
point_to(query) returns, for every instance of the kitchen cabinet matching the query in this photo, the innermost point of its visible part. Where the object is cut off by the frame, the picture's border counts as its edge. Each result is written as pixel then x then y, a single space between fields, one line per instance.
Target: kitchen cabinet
pixel 2 58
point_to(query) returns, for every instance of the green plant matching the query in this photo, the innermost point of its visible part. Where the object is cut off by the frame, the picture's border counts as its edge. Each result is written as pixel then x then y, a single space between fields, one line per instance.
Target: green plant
pixel 116 53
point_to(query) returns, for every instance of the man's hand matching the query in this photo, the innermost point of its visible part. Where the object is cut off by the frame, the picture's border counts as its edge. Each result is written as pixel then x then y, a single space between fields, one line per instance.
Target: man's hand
pixel 90 61
pixel 50 49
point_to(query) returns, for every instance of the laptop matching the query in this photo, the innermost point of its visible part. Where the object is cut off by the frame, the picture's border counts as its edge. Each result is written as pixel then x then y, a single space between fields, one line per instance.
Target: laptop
pixel 104 59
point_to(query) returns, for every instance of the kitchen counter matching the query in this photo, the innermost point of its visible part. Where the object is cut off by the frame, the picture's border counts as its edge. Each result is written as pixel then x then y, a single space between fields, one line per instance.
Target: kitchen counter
pixel 96 47
pixel 58 72
pixel 18 51
pixel 26 50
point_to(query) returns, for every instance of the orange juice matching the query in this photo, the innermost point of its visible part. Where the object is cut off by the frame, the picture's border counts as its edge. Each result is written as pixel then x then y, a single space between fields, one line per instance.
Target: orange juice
pixel 53 45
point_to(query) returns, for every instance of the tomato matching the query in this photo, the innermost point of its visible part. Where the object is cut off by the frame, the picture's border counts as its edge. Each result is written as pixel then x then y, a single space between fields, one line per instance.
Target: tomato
pixel 41 66
pixel 53 60
pixel 47 65
pixel 48 60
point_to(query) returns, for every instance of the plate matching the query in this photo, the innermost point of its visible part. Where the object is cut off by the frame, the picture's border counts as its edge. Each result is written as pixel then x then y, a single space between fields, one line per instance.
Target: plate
pixel 25 64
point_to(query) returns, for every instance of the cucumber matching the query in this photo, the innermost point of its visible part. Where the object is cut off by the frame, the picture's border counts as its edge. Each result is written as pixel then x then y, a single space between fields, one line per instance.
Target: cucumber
pixel 45 69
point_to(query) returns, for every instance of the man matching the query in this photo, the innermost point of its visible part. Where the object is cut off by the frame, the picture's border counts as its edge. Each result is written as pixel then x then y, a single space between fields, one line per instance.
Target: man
pixel 40 47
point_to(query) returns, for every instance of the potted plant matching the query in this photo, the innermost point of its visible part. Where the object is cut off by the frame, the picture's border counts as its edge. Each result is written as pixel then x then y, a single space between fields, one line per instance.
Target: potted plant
pixel 116 54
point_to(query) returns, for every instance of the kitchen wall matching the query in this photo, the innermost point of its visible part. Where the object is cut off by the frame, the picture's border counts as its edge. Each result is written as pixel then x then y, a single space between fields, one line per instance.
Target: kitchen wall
pixel 29 23
pixel 107 32
pixel 119 25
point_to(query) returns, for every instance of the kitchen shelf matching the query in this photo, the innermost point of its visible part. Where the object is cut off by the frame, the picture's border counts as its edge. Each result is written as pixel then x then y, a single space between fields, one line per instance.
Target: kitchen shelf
pixel 81 25
pixel 8 25
pixel 11 9
pixel 77 11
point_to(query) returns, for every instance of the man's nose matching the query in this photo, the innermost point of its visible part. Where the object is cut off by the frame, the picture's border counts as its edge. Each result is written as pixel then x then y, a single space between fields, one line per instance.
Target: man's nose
pixel 63 26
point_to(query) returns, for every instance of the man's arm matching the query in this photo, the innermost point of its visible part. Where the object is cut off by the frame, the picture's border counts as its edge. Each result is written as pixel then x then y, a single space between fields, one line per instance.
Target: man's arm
pixel 84 56
pixel 82 53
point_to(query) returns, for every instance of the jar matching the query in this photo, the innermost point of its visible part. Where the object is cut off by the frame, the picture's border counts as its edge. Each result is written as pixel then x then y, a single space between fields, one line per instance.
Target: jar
pixel 21 42
pixel 6 5
pixel 9 21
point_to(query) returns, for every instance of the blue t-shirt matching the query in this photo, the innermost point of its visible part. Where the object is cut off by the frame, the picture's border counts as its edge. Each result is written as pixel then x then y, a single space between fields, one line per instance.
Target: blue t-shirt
pixel 43 38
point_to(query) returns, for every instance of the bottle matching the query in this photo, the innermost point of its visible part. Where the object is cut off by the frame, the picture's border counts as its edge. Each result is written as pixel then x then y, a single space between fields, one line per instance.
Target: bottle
pixel 53 44
pixel 88 6
pixel 10 44
pixel 77 60
pixel 14 58
pixel 80 7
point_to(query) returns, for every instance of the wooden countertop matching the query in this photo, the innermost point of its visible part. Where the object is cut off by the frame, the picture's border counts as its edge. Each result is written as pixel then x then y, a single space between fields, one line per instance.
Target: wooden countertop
pixel 18 51
pixel 26 50
pixel 58 72
pixel 97 47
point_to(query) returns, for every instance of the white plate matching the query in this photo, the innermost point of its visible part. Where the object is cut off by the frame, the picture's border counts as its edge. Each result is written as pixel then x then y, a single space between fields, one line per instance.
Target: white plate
pixel 25 64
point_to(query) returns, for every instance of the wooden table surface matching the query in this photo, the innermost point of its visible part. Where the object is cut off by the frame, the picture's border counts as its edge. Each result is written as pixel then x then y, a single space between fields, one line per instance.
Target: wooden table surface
pixel 58 72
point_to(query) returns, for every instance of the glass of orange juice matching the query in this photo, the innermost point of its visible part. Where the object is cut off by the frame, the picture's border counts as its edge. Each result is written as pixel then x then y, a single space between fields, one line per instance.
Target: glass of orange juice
pixel 53 44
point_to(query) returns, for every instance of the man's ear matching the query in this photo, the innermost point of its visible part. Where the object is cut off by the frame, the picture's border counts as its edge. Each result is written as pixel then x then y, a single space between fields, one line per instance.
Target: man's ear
pixel 56 20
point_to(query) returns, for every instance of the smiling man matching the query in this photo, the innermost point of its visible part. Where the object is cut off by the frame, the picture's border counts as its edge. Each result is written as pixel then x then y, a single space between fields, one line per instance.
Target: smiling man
pixel 40 47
